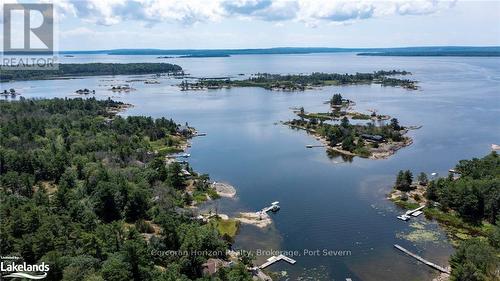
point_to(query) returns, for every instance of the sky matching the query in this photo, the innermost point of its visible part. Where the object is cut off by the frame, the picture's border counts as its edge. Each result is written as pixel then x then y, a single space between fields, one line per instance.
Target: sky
pixel 222 24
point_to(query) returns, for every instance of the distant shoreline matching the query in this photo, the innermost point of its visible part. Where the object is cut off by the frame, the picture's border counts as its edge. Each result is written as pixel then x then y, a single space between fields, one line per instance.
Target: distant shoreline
pixel 482 51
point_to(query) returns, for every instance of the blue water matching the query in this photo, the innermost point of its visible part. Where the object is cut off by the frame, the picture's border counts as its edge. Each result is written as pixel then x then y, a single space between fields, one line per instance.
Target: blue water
pixel 327 203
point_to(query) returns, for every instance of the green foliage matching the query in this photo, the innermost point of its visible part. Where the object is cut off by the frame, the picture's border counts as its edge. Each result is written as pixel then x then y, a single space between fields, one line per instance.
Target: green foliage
pixel 246 258
pixel 395 124
pixel 77 185
pixel 350 136
pixel 466 204
pixel 235 273
pixel 404 180
pixel 227 227
pixel 336 100
pixel 348 143
pixel 422 179
pixel 475 260
pixel 90 69
pixel 344 123
pixel 300 82
pixel 116 269
pixel 476 194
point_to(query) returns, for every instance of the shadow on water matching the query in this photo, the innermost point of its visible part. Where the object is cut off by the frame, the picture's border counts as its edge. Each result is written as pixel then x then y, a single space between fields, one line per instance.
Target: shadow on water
pixel 335 155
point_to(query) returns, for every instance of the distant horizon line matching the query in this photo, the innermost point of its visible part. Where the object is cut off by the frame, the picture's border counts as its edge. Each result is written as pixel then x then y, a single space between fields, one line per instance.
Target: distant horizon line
pixel 284 47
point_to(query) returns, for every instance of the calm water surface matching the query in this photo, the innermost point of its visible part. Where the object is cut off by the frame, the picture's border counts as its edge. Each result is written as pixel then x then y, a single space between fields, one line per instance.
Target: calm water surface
pixel 327 203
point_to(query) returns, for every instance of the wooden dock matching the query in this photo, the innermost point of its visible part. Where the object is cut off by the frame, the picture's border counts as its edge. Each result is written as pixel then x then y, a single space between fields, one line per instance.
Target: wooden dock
pixel 409 212
pixel 419 258
pixel 275 259
pixel 416 212
pixel 314 145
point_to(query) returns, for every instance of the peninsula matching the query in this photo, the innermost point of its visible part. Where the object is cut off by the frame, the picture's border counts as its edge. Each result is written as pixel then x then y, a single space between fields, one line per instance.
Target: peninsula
pixel 76 163
pixel 90 69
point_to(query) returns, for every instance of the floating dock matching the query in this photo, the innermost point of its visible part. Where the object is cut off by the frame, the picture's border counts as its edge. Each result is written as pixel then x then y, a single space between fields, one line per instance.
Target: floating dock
pixel 275 259
pixel 403 217
pixel 415 212
pixel 274 207
pixel 183 155
pixel 419 258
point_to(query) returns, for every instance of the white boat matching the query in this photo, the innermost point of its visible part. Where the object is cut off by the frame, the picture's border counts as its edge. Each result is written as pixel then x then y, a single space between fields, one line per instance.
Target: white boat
pixel 403 217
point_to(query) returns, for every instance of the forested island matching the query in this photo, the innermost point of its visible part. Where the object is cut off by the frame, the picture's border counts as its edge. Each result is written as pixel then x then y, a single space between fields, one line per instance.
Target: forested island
pixel 301 82
pixel 91 193
pixel 467 204
pixel 334 129
pixel 90 69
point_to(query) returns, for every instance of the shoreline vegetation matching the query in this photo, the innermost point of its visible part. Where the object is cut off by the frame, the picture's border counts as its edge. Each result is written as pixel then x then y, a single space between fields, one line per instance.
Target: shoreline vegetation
pixel 376 139
pixel 467 205
pixel 106 178
pixel 301 82
pixel 69 70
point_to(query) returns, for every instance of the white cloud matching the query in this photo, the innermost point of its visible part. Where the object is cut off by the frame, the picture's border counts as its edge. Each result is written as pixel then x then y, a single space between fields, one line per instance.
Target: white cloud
pixel 187 12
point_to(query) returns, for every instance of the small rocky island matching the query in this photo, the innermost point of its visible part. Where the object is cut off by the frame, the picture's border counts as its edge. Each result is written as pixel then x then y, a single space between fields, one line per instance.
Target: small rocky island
pixel 11 92
pixel 379 138
pixel 84 91
pixel 301 82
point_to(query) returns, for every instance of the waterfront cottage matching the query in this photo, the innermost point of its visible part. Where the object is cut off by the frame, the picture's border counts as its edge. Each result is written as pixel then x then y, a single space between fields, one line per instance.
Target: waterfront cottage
pixel 374 138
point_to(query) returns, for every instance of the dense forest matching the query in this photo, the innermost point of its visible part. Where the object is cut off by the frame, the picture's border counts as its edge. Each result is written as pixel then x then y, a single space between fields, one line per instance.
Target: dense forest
pixel 475 195
pixel 90 69
pixel 475 198
pixel 467 203
pixel 87 192
pixel 300 82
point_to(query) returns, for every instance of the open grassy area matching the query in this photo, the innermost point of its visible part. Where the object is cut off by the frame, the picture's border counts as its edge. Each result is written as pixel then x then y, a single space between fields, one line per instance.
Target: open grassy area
pixel 405 204
pixel 228 227
pixel 359 116
pixel 199 196
pixel 167 145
